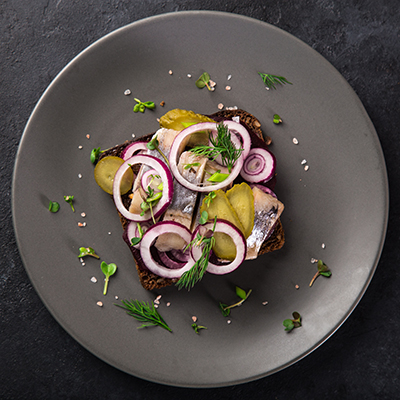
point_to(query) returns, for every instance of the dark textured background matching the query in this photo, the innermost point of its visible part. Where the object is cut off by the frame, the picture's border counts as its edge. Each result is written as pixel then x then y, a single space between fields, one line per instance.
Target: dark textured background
pixel 38 359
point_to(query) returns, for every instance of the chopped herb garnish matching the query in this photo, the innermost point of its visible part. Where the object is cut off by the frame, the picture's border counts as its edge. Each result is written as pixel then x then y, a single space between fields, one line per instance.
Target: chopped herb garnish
pixel 70 200
pixel 217 177
pixel 87 251
pixel 136 240
pixel 209 198
pixel 221 145
pixel 277 119
pixel 203 81
pixel 290 324
pixel 153 145
pixel 141 106
pixel 226 310
pixel 145 313
pixel 95 154
pixel 203 218
pixel 54 206
pixel 197 327
pixel 322 270
pixel 108 270
pixel 196 273
pixel 272 80
pixel 188 166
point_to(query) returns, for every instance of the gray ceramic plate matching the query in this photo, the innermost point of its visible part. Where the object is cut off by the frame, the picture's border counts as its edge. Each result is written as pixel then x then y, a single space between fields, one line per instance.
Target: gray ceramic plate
pixel 341 201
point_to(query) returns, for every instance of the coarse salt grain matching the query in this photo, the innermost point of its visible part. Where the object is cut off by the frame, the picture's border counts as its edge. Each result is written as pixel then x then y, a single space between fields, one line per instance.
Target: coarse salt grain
pixel 297 286
pixel 133 135
pixel 194 318
pixel 228 88
pixel 323 245
pixel 87 136
pixel 212 83
pixel 265 303
pixel 93 279
pixel 170 72
pixel 155 305
pixel 156 302
pixel 229 77
pixel 127 92
pixel 80 147
pixel 189 76
pixel 236 119
pixel 116 297
pixel 100 304
pixel 295 141
pixel 168 304
pixel 158 297
pixel 80 176
pixel 220 106
pixel 304 162
pixel 228 322
pixel 83 215
pixel 109 233
pixel 314 260
pixel 83 264
pixel 81 225
pixel 306 167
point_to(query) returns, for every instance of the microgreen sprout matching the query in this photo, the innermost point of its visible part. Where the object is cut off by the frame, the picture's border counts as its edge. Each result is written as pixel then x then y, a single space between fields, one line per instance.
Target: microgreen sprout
pixel 203 81
pixel 290 324
pixel 226 310
pixel 95 154
pixel 141 106
pixel 272 80
pixel 145 313
pixel 203 218
pixel 217 177
pixel 54 206
pixel 322 270
pixel 136 240
pixel 197 327
pixel 70 200
pixel 209 198
pixel 277 119
pixel 87 251
pixel 108 270
pixel 153 145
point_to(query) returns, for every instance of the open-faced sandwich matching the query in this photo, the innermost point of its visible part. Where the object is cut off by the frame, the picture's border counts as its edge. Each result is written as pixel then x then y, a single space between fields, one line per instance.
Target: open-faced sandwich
pixel 196 196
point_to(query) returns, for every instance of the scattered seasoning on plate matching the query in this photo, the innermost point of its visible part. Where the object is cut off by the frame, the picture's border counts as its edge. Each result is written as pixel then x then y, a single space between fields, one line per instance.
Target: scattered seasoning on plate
pixel 93 279
pixel 116 297
pixel 229 321
pixel 80 147
pixel 229 77
pixel 170 72
pixel 306 167
pixel 80 176
pixel 100 304
pixel 133 135
pixel 127 92
pixel 228 88
pixel 168 304
pixel 83 215
pixel 194 318
pixel 162 104
pixel 81 225
pixel 323 245
pixel 304 162
pixel 264 303
pixel 87 136
pixel 314 260
pixel 295 141
pixel 220 106
pixel 297 287
pixel 189 75
pixel 109 233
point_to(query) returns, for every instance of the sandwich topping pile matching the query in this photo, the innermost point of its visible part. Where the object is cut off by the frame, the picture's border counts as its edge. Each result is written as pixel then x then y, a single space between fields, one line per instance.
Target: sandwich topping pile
pixel 194 197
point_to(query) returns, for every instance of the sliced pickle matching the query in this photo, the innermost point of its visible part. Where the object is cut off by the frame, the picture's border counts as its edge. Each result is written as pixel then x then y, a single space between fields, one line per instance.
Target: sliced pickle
pixel 242 200
pixel 105 171
pixel 178 120
pixel 221 207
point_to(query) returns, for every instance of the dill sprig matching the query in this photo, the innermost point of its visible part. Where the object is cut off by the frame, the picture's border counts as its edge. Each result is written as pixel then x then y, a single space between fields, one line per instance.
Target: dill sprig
pixel 144 312
pixel 272 80
pixel 196 273
pixel 221 145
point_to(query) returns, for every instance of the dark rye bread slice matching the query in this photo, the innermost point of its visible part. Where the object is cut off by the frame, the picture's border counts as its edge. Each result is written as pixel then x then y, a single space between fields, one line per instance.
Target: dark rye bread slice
pixel 275 241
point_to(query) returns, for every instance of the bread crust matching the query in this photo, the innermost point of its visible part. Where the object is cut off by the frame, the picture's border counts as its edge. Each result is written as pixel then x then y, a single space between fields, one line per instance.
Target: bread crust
pixel 275 241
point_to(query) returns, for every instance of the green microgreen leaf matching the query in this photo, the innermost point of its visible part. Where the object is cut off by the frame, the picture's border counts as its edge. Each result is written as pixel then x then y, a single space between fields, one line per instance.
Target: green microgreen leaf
pixel 204 81
pixel 108 270
pixel 197 327
pixel 87 251
pixel 141 106
pixel 290 324
pixel 322 270
pixel 70 200
pixel 209 198
pixel 272 80
pixel 144 312
pixel 195 164
pixel 54 206
pixel 153 145
pixel 203 218
pixel 95 154
pixel 243 297
pixel 217 177
pixel 277 119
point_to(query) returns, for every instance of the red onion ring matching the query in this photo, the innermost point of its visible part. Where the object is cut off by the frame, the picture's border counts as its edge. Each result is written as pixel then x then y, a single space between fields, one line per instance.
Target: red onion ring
pixel 265 189
pixel 259 166
pixel 132 148
pixel 147 178
pixel 238 239
pixel 178 146
pixel 148 239
pixel 166 177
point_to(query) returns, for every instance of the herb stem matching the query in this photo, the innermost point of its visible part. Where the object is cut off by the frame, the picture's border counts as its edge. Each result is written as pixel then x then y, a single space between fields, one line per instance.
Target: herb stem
pixel 314 278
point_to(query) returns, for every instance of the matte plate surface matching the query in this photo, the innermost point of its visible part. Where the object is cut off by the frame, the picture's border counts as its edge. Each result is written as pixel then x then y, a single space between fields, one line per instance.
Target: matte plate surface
pixel 341 201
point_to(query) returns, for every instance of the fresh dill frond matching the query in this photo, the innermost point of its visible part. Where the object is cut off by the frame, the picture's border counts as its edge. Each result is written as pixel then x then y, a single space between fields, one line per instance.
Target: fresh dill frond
pixel 272 80
pixel 144 312
pixel 221 145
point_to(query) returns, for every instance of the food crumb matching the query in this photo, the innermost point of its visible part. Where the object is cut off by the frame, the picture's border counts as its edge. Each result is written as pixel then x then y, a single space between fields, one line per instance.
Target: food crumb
pixel 268 140
pixel 297 286
pixel 228 88
pixel 100 304
pixel 87 136
pixel 127 92
pixel 220 106
pixel 194 318
pixel 265 303
pixel 323 245
pixel 295 141
pixel 306 167
pixel 162 104
pixel 170 72
pixel 80 147
pixel 80 176
pixel 93 279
